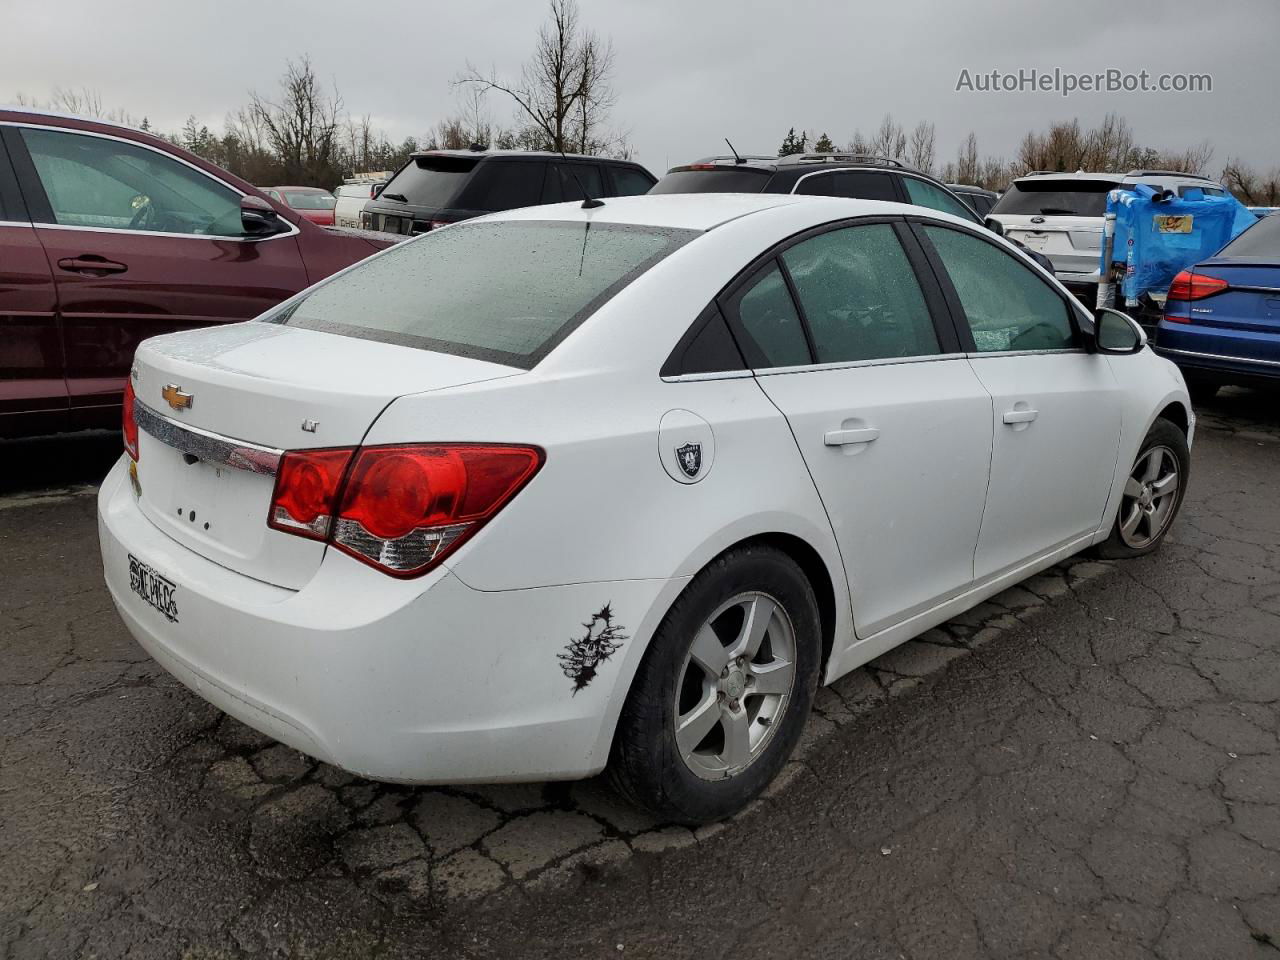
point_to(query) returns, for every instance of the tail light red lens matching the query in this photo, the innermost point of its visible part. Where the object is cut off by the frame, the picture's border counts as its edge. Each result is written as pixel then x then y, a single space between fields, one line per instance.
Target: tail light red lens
pixel 401 509
pixel 1189 285
pixel 307 487
pixel 128 423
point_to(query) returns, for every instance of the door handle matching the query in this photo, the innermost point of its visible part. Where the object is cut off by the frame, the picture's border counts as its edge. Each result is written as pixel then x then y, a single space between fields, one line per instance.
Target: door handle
pixel 841 438
pixel 1020 416
pixel 91 264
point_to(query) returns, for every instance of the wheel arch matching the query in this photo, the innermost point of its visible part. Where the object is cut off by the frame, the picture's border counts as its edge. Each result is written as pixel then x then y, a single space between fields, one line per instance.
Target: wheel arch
pixel 1177 414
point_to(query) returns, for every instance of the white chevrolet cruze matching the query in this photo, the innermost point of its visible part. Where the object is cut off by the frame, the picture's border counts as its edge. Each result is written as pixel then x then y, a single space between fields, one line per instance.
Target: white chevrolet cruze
pixel 564 488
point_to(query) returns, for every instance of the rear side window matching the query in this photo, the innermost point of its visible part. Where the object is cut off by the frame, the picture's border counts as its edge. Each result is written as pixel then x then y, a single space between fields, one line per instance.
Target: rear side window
pixel 1260 240
pixel 772 333
pixel 1062 198
pixel 506 292
pixel 100 182
pixel 561 184
pixel 860 296
pixel 1206 190
pixel 1008 307
pixel 925 194
pixel 864 185
pixel 713 179
pixel 431 181
pixel 629 182
pixel 504 185
pixel 817 185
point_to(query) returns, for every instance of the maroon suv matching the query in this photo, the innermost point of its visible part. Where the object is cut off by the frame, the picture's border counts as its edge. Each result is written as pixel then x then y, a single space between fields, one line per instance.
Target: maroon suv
pixel 108 236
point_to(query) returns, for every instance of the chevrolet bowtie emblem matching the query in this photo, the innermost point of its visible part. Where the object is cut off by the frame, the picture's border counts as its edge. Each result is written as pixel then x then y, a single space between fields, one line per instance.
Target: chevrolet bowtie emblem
pixel 176 397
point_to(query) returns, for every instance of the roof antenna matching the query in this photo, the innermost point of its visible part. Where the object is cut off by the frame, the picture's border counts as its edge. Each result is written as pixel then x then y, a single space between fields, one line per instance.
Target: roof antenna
pixel 736 158
pixel 587 202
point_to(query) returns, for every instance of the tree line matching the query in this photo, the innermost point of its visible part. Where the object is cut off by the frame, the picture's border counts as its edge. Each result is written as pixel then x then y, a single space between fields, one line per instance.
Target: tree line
pixel 1064 146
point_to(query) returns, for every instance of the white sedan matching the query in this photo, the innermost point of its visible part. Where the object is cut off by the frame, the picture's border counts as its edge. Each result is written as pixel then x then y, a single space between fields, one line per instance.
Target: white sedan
pixel 564 488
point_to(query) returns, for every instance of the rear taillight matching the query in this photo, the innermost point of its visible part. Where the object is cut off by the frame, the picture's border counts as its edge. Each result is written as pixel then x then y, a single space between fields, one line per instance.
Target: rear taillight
pixel 128 423
pixel 306 494
pixel 1189 285
pixel 401 509
pixel 437 224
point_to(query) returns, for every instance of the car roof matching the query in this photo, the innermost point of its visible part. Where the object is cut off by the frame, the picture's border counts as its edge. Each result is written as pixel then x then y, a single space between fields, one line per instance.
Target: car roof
pixel 298 189
pixel 799 161
pixel 970 188
pixel 706 211
pixel 521 154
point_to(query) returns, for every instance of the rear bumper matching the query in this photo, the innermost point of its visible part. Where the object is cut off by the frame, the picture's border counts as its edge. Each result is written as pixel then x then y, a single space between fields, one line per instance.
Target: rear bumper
pixel 1228 353
pixel 422 681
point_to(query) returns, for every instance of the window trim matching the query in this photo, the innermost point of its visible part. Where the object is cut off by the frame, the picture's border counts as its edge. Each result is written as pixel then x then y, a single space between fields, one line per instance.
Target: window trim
pixel 959 318
pixel 949 343
pixel 37 200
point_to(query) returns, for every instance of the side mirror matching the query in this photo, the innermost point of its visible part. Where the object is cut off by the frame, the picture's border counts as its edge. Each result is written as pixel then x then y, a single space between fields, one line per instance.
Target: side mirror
pixel 995 226
pixel 259 219
pixel 1117 333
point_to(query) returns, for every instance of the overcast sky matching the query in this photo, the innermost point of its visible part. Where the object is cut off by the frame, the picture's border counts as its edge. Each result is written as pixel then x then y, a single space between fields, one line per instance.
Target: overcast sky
pixel 687 73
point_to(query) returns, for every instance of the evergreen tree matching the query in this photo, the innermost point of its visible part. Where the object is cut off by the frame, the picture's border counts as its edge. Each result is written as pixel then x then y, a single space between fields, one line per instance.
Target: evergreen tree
pixel 793 144
pixel 824 145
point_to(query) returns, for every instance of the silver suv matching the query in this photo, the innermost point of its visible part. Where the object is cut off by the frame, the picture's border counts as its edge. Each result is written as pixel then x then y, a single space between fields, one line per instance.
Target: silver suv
pixel 1061 214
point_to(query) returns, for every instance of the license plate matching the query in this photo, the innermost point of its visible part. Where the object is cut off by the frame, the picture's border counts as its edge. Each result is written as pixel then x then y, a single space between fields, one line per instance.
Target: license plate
pixel 1035 243
pixel 155 588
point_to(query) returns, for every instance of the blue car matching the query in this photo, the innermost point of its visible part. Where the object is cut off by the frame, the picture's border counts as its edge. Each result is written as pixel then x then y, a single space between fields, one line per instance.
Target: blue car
pixel 1221 321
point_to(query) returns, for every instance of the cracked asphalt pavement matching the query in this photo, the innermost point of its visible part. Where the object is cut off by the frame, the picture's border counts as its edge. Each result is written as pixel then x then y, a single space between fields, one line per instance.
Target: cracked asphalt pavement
pixel 1086 767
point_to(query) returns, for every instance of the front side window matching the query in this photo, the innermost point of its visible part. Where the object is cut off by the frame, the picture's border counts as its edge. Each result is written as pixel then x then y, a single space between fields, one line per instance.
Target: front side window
pixel 1008 308
pixel 98 182
pixel 925 194
pixel 860 296
pixel 773 335
pixel 506 292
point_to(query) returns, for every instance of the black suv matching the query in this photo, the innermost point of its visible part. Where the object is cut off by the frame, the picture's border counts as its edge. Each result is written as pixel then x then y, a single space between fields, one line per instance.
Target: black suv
pixel 825 175
pixel 981 200
pixel 438 187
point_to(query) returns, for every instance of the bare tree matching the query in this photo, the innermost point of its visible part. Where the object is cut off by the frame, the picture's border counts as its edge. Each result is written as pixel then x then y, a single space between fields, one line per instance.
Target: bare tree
pixel 968 165
pixel 920 148
pixel 1251 187
pixel 889 140
pixel 301 126
pixel 565 90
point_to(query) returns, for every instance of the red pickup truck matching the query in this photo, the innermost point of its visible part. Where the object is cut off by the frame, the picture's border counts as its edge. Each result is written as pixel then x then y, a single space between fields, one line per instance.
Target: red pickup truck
pixel 109 235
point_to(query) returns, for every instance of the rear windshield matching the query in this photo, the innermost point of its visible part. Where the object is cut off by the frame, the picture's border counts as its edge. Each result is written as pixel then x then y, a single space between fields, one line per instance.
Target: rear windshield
pixel 506 292
pixel 1060 198
pixel 718 180
pixel 310 201
pixel 430 181
pixel 1260 240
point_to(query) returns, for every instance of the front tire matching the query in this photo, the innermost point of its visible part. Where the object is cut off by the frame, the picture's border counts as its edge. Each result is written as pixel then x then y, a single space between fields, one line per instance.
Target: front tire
pixel 1152 494
pixel 723 692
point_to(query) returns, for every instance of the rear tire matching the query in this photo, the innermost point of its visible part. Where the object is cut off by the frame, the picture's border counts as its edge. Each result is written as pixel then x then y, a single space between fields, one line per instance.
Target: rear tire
pixel 1152 496
pixel 723 692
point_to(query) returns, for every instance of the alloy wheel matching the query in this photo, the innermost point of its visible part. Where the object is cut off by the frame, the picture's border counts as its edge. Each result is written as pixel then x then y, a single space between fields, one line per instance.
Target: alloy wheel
pixel 1150 495
pixel 735 685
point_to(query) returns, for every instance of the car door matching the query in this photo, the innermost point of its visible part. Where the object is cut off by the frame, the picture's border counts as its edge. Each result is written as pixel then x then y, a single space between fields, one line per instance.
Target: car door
pixel 858 353
pixel 1056 407
pixel 33 387
pixel 140 243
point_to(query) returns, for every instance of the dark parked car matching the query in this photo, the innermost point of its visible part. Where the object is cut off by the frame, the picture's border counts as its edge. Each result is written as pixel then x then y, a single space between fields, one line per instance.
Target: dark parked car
pixel 438 187
pixel 852 175
pixel 976 197
pixel 313 203
pixel 108 236
pixel 1221 319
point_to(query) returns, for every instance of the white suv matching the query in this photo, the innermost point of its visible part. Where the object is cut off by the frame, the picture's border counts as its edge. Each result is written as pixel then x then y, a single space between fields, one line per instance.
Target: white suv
pixel 1061 214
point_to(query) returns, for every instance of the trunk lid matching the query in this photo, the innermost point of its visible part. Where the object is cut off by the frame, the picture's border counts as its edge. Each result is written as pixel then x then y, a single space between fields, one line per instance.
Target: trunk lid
pixel 252 387
pixel 1074 244
pixel 1251 302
